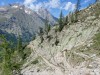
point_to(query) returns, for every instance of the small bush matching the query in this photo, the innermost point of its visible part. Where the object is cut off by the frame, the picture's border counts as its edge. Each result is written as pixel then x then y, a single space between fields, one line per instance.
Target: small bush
pixel 35 61
pixel 49 37
pixel 96 41
pixel 56 42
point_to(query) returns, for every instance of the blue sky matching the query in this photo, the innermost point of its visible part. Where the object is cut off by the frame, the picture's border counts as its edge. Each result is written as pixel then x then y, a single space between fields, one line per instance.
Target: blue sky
pixel 54 6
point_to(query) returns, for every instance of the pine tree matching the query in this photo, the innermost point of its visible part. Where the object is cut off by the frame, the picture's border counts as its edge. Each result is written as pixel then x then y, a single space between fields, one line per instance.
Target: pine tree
pixel 20 48
pixel 19 43
pixel 47 27
pixel 69 17
pixel 61 25
pixel 41 34
pixel 78 5
pixel 56 36
pixel 11 58
pixel 5 56
pixel 66 20
pixel 73 18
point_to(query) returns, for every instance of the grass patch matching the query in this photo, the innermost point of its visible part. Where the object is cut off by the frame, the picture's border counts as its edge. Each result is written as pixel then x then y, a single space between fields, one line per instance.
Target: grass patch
pixel 3 19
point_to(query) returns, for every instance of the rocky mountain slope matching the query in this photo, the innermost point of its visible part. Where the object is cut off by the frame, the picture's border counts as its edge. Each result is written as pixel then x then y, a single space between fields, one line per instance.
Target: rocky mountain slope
pixel 18 20
pixel 77 52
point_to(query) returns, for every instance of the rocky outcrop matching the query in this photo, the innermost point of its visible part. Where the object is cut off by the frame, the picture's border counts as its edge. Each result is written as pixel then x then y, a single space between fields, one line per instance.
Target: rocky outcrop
pixel 72 56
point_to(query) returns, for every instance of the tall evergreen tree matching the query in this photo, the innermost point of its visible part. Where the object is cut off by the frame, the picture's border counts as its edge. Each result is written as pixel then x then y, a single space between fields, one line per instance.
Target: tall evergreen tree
pixel 61 18
pixel 77 8
pixel 20 48
pixel 5 56
pixel 47 27
pixel 19 43
pixel 41 34
pixel 56 37
pixel 66 20
pixel 73 19
pixel 11 58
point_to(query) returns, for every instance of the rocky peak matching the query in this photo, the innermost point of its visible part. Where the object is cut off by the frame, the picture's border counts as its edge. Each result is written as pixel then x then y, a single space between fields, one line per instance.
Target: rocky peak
pixel 44 11
pixel 45 14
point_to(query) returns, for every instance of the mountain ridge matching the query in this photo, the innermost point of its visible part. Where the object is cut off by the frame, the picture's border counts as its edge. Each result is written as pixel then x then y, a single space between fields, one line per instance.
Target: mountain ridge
pixel 20 20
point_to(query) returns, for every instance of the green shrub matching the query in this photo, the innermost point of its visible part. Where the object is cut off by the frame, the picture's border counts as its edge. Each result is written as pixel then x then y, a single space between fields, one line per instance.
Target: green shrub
pixel 35 61
pixel 96 41
pixel 56 42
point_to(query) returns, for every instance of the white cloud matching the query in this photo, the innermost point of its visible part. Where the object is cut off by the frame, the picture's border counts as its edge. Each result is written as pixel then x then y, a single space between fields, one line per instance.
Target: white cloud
pixel 28 2
pixel 35 7
pixel 69 6
pixel 54 3
pixel 49 4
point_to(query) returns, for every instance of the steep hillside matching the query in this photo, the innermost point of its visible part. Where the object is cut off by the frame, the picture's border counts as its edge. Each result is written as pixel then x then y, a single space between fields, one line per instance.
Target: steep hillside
pixel 18 20
pixel 90 12
pixel 77 51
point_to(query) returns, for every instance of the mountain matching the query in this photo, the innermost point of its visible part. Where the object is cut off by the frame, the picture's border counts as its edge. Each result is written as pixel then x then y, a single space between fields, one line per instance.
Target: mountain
pixel 19 20
pixel 77 51
pixel 45 14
